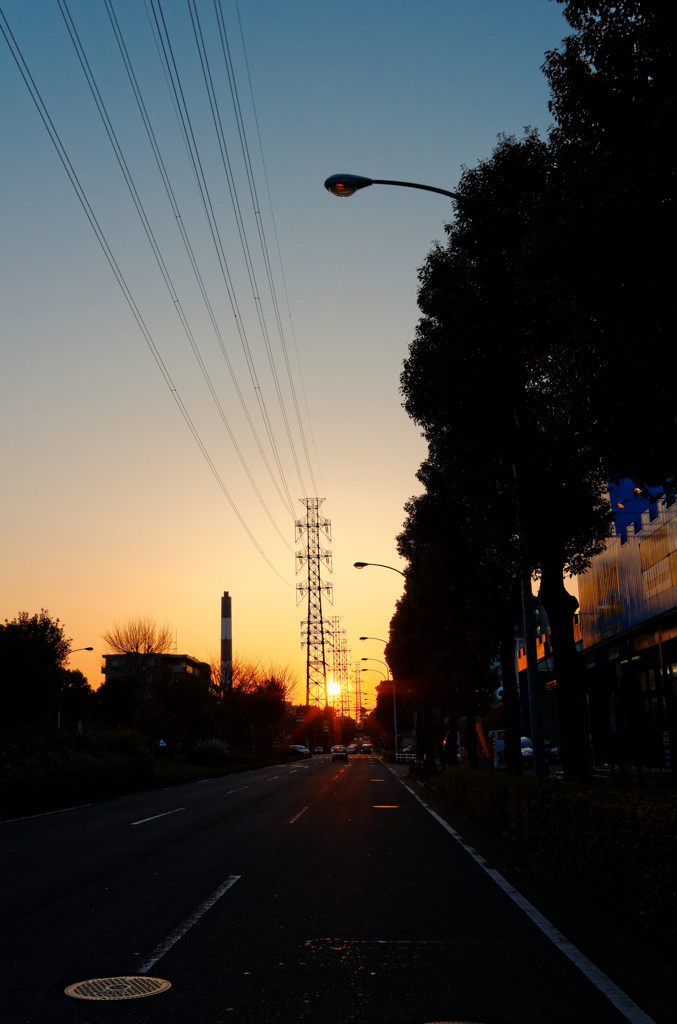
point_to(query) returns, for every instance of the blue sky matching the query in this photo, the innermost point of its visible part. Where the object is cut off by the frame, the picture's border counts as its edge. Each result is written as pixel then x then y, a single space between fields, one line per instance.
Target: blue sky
pixel 109 506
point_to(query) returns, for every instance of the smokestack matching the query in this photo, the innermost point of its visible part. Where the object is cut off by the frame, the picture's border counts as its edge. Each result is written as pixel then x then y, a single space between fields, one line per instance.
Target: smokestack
pixel 226 643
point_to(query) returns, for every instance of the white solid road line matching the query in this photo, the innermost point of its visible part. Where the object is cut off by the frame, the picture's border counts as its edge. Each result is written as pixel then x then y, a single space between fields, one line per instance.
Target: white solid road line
pixel 616 996
pixel 142 821
pixel 297 816
pixel 179 932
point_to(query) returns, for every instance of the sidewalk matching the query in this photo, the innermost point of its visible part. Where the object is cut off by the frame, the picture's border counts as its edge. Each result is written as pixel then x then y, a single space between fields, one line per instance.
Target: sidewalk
pixel 641 963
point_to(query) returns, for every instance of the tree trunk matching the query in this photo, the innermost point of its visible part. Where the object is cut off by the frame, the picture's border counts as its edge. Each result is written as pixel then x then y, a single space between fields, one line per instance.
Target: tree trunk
pixel 511 707
pixel 450 748
pixel 560 606
pixel 471 737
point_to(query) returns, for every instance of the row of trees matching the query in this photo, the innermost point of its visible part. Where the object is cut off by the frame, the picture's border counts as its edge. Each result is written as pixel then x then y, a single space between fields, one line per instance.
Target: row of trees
pixel 543 366
pixel 37 690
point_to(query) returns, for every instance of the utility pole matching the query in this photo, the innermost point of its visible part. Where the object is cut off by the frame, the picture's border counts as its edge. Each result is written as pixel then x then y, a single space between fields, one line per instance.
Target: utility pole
pixel 315 632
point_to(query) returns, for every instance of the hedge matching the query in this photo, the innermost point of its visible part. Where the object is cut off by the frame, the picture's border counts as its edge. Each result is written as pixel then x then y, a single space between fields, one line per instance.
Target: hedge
pixel 622 839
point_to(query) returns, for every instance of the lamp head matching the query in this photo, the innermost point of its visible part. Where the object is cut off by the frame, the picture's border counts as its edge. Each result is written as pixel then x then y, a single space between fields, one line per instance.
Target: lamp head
pixel 345 185
pixel 360 565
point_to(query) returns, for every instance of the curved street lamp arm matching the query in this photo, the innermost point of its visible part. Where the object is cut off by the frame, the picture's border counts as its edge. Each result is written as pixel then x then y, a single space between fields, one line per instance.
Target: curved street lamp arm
pixel 413 184
pixel 344 185
pixel 361 565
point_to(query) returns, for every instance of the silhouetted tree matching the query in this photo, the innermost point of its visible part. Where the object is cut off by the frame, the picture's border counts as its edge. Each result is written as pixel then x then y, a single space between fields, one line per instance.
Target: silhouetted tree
pixel 33 651
pixel 608 233
pixel 138 639
pixel 139 636
pixel 492 379
pixel 444 635
pixel 75 699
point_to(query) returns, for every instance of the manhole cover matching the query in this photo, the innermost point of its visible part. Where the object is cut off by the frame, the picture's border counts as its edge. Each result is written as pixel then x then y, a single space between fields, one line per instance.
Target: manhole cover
pixel 134 987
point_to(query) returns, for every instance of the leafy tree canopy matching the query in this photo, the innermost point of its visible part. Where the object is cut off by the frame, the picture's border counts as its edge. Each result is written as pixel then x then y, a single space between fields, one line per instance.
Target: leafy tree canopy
pixel 608 234
pixel 33 651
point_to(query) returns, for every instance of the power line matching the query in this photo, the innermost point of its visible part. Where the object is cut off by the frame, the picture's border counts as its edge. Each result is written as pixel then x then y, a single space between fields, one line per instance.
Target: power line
pixel 280 262
pixel 149 232
pixel 35 95
pixel 200 177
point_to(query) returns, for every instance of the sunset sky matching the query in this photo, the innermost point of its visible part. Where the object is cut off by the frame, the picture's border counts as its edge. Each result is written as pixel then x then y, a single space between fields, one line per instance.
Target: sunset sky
pixel 138 404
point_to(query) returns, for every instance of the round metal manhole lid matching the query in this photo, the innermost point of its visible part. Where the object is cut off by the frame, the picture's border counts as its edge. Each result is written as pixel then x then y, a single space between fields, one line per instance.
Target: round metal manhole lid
pixel 134 987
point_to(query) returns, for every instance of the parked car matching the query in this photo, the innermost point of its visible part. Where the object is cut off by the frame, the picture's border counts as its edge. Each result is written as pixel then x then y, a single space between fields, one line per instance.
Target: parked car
pixel 352 749
pixel 299 750
pixel 339 753
pixel 551 752
pixel 527 750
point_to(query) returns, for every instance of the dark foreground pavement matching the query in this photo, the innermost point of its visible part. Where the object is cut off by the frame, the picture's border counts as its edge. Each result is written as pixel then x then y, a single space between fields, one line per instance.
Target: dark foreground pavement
pixel 640 961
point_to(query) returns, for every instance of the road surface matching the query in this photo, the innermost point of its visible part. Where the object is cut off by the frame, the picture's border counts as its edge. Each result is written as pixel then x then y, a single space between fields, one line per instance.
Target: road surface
pixel 297 894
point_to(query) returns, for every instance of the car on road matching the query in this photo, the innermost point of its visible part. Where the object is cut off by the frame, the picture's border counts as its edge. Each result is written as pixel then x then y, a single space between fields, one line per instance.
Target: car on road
pixel 339 753
pixel 319 750
pixel 351 749
pixel 367 748
pixel 299 750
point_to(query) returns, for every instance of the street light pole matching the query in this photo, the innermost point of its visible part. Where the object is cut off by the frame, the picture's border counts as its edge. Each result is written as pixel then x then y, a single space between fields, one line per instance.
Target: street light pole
pixel 343 186
pixel 380 565
pixel 74 651
pixel 393 686
pixel 362 565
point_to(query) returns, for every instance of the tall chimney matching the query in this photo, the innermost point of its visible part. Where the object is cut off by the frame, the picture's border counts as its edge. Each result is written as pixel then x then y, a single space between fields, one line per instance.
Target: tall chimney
pixel 226 643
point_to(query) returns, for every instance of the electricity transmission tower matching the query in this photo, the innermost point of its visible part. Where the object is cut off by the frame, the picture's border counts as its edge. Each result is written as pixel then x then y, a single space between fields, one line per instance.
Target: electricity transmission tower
pixel 340 663
pixel 357 676
pixel 315 632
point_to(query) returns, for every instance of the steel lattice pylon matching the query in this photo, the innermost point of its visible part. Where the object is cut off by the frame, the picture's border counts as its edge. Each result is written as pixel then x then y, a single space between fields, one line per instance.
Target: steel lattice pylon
pixel 315 632
pixel 340 663
pixel 358 691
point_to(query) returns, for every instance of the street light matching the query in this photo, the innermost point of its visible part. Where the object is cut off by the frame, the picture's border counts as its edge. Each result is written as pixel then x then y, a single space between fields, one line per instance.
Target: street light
pixel 58 713
pixel 361 565
pixel 380 565
pixel 344 185
pixel 379 661
pixel 386 679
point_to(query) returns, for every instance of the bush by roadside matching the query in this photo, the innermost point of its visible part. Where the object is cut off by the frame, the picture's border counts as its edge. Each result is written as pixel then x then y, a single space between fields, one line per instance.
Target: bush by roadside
pixel 46 771
pixel 621 838
pixel 39 772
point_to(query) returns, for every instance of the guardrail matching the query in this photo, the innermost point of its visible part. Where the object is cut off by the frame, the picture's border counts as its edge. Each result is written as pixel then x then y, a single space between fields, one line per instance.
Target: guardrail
pixel 405 758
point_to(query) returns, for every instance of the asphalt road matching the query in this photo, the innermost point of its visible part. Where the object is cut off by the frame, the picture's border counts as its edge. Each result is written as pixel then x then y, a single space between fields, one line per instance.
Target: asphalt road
pixel 306 892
